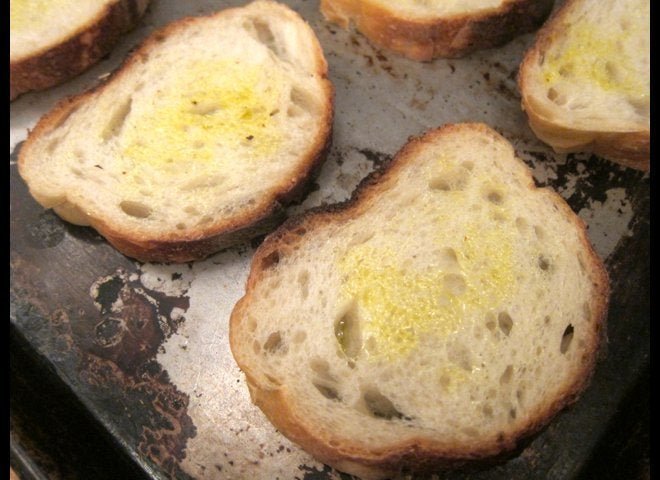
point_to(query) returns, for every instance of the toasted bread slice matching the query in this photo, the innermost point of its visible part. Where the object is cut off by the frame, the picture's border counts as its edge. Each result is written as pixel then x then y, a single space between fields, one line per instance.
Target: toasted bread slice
pixel 51 42
pixel 585 82
pixel 423 30
pixel 449 310
pixel 196 142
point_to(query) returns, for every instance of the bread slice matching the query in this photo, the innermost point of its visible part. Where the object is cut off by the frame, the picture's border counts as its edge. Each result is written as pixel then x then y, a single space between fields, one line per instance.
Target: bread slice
pixel 51 42
pixel 196 142
pixel 585 82
pixel 449 310
pixel 423 30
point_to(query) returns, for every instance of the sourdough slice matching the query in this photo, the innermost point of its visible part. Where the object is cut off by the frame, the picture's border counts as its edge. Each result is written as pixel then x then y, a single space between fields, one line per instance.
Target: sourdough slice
pixel 52 41
pixel 196 142
pixel 423 30
pixel 445 313
pixel 585 82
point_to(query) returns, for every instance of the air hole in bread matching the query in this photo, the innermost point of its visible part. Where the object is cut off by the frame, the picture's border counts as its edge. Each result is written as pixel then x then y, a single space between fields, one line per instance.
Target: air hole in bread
pixel 327 391
pixel 303 281
pixel 256 347
pixel 505 322
pixel 544 263
pixel 613 72
pixel 450 178
pixel 520 396
pixel 321 368
pixel 499 217
pixel 379 405
pixel 299 337
pixel 641 106
pixel 468 165
pixel 491 322
pixel 487 410
pixel 360 237
pixel 460 355
pixel 135 209
pixel 203 181
pixel 455 283
pixel 76 171
pixel 116 119
pixel 521 225
pixel 495 197
pixel 262 33
pixel 470 432
pixel 273 381
pixel 275 344
pixel 506 376
pixel 447 259
pixel 512 413
pixel 566 339
pixel 554 96
pixel 301 102
pixel 578 103
pixel 566 70
pixel 270 260
pixel 540 234
pixel 191 209
pixel 348 333
pixel 203 107
pixel 205 219
pixel 52 145
pixel 439 183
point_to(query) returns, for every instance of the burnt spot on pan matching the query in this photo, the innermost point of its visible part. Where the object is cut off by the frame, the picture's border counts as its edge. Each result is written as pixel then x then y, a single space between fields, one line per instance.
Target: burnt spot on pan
pixel 147 403
pixel 131 325
pixel 501 81
pixel 326 473
pixel 133 320
pixel 377 158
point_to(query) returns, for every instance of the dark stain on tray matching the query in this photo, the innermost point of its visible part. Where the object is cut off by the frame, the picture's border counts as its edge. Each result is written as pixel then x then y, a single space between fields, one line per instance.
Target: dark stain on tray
pixel 81 305
pixel 134 321
pixel 594 177
pixel 377 158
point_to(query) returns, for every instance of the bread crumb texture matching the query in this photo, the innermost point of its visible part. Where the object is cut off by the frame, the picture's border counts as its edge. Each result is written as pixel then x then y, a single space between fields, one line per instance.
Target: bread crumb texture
pixel 211 120
pixel 599 61
pixel 452 300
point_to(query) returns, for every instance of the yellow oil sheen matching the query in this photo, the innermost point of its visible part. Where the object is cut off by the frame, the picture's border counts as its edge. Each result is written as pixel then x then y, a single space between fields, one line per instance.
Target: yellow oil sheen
pixel 225 105
pixel 592 54
pixel 402 307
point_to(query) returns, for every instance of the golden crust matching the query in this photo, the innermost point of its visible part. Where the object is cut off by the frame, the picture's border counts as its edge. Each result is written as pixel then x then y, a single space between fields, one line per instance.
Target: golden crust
pixel 437 37
pixel 55 64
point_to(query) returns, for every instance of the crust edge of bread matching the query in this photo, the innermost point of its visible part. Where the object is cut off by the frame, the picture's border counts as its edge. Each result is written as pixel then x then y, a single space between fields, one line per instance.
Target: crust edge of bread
pixel 57 63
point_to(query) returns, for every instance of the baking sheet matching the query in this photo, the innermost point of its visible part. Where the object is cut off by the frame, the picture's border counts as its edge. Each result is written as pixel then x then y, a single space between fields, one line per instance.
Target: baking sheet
pixel 144 347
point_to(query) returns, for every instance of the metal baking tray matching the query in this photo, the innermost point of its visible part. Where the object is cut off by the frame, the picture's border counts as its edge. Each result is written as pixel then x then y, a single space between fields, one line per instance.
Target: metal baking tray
pixel 141 350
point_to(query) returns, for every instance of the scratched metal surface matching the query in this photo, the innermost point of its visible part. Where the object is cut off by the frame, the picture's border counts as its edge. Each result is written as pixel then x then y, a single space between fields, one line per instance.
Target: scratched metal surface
pixel 144 346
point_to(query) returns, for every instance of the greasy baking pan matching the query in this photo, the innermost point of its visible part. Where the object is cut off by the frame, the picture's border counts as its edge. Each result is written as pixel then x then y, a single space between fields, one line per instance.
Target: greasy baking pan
pixel 122 370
